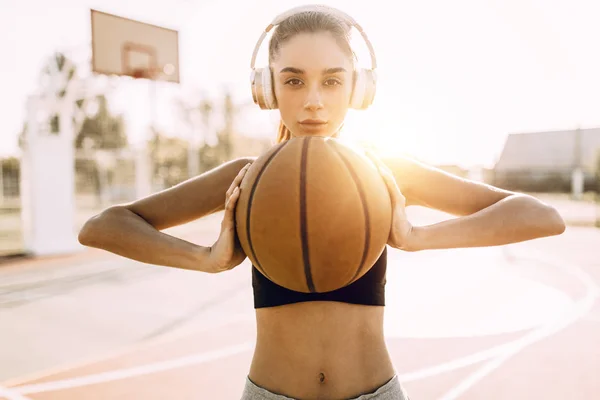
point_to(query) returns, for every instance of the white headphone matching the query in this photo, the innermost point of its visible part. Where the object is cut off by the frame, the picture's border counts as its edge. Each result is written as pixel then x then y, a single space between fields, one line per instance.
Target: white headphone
pixel 363 91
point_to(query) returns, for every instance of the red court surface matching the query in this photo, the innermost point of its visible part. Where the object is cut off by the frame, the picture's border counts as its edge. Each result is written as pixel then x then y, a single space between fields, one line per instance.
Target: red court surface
pixel 513 322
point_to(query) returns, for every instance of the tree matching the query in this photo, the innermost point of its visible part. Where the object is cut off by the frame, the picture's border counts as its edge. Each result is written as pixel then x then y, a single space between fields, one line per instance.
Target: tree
pixel 94 128
pixel 59 81
pixel 198 117
pixel 597 196
pixel 597 168
pixel 103 130
pixel 9 171
pixel 217 146
pixel 169 159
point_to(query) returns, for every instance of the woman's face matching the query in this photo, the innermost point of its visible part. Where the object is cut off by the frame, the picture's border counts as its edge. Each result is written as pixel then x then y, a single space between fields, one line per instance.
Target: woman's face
pixel 313 82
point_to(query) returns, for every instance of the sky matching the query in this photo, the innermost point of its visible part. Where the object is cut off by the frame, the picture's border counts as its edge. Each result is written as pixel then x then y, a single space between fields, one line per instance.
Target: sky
pixel 454 78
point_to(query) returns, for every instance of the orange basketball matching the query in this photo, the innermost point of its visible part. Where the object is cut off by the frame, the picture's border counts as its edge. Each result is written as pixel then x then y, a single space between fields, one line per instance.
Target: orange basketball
pixel 314 214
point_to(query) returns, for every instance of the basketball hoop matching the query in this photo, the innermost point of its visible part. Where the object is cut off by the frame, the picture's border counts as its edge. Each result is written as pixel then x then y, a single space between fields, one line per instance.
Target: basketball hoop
pixel 127 47
pixel 143 73
pixel 152 73
pixel 138 73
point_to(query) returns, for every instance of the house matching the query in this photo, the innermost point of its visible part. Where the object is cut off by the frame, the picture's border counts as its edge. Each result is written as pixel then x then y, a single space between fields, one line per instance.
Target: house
pixel 545 161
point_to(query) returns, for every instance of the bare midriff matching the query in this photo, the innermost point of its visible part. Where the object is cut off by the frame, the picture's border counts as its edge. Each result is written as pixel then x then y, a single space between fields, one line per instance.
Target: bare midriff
pixel 321 350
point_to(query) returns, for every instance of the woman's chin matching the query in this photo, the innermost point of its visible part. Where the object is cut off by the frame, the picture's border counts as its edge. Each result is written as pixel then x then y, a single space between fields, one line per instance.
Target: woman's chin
pixel 312 135
pixel 313 132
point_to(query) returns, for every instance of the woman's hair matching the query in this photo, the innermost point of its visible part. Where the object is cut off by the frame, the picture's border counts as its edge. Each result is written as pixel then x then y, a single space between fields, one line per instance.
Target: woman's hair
pixel 308 22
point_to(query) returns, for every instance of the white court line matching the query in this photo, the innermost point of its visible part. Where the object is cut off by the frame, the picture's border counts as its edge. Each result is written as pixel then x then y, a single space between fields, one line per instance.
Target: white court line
pixel 10 394
pixel 135 371
pixel 462 362
pixel 147 368
pixel 519 343
pixel 499 354
pixel 541 333
pixel 580 309
pixel 493 352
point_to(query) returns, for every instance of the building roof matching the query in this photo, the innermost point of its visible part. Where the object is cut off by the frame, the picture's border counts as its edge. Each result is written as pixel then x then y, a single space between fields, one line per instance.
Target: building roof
pixel 553 150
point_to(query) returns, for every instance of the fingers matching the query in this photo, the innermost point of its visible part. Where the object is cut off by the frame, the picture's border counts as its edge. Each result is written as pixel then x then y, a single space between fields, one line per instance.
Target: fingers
pixel 232 195
pixel 236 182
pixel 232 200
pixel 228 220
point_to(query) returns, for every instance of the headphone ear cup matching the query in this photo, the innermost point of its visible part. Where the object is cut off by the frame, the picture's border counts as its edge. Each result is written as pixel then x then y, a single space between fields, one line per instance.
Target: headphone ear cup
pixel 363 92
pixel 262 89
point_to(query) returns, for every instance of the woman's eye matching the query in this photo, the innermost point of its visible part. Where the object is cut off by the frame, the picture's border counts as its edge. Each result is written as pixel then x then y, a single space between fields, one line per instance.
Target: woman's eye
pixel 328 82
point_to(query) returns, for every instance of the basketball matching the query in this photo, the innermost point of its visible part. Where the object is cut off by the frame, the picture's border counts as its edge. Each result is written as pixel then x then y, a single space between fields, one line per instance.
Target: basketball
pixel 314 214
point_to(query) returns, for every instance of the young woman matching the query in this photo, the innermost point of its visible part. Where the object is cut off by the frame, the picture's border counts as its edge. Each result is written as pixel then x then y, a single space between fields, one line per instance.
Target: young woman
pixel 318 345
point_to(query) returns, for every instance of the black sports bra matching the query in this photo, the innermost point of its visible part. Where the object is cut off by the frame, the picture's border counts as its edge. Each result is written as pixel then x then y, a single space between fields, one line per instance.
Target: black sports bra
pixel 368 290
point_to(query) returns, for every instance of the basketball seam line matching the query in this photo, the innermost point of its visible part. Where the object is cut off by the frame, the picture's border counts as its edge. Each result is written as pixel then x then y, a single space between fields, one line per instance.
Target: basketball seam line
pixel 251 198
pixel 303 219
pixel 363 201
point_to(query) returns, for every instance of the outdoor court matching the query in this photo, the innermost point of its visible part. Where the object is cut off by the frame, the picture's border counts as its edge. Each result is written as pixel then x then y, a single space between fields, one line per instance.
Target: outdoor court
pixel 514 322
pixel 518 322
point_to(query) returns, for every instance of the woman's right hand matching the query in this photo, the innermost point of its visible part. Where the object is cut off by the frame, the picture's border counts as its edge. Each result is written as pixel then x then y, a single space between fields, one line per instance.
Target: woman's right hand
pixel 227 253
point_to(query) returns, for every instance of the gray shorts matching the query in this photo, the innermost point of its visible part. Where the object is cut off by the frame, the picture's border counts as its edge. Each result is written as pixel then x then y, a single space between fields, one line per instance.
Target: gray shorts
pixel 392 390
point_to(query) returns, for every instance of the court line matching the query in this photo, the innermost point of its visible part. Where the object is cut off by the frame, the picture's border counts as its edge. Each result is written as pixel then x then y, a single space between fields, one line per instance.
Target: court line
pixel 168 338
pixel 531 338
pixel 489 353
pixel 10 394
pixel 462 362
pixel 151 368
pixel 577 311
pixel 499 354
pixel 225 352
pixel 494 353
pixel 115 374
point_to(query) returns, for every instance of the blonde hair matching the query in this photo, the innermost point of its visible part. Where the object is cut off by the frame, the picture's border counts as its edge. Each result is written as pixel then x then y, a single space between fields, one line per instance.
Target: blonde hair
pixel 308 22
pixel 283 133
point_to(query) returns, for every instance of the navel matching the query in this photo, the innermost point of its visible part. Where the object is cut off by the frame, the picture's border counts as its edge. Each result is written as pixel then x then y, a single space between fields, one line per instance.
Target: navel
pixel 322 377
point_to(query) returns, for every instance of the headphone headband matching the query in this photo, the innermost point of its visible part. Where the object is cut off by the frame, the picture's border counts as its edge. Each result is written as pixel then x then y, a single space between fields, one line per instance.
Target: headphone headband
pixel 315 7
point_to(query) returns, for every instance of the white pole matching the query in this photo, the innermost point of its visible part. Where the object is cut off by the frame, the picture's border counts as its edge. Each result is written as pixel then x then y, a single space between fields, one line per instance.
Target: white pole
pixel 577 182
pixel 48 184
pixel 1 182
pixel 577 176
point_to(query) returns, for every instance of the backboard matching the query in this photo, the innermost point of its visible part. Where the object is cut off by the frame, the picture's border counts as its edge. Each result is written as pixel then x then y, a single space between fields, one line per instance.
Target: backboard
pixel 122 46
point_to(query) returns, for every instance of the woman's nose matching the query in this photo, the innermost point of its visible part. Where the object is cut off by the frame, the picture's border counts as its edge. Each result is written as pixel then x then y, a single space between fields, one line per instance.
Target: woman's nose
pixel 314 99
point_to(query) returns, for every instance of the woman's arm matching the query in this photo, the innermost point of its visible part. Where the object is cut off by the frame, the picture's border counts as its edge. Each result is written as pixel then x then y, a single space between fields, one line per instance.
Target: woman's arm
pixel 515 218
pixel 133 230
pixel 487 216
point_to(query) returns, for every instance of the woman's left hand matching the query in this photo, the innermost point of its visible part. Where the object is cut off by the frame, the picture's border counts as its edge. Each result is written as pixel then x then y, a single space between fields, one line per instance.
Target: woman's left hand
pixel 401 232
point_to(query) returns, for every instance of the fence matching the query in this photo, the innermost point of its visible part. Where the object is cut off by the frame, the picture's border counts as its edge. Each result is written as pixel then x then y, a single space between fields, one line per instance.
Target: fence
pixel 558 181
pixel 104 178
